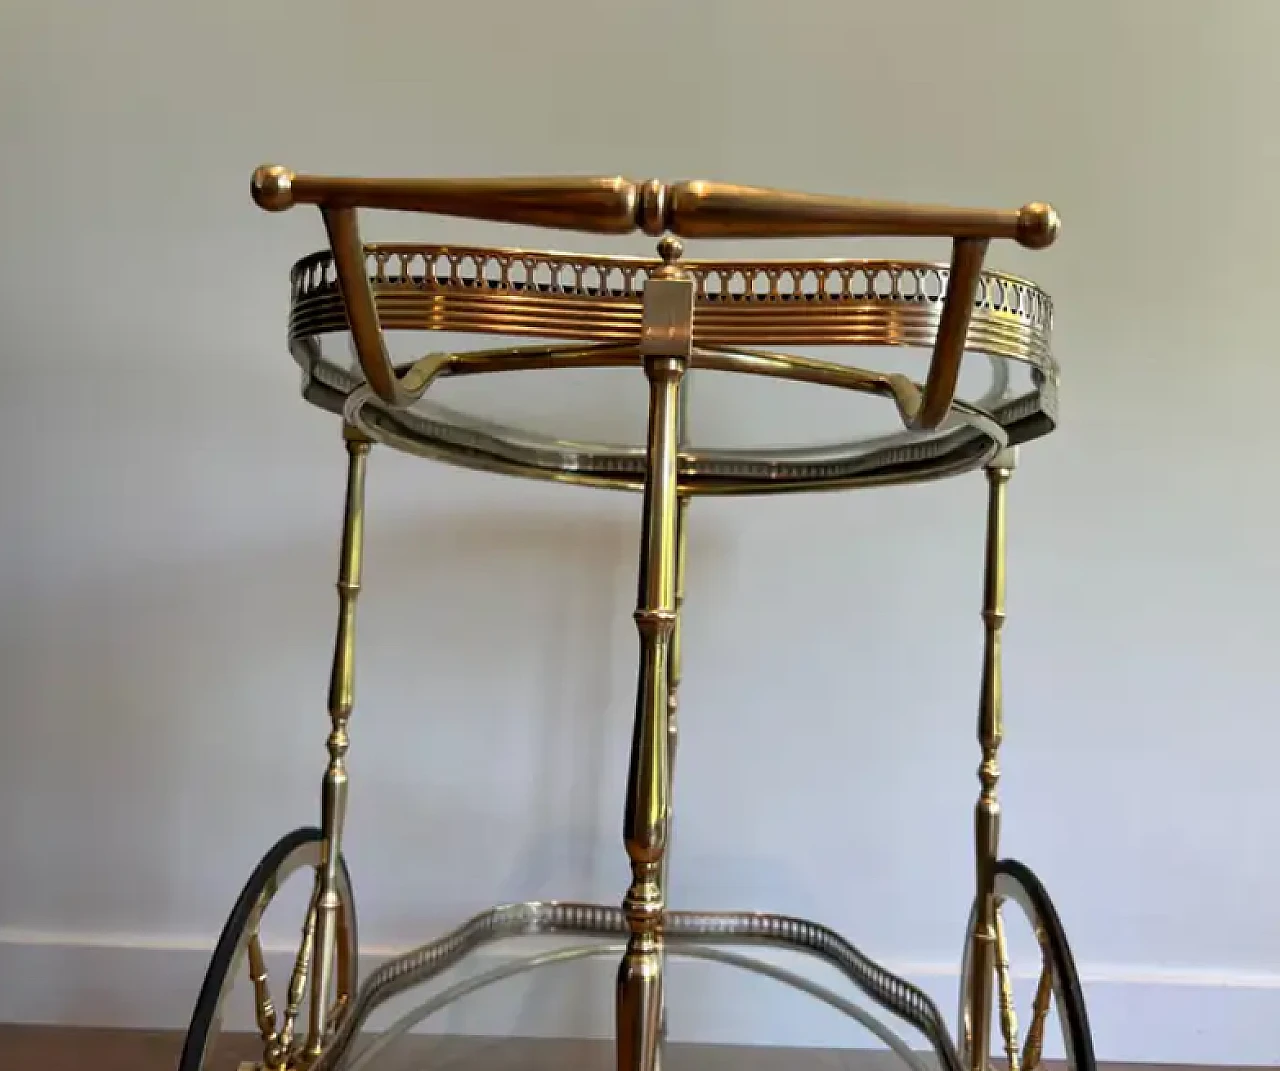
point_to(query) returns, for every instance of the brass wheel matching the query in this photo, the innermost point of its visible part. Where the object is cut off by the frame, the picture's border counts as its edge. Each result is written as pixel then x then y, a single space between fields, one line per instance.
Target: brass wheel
pixel 1023 905
pixel 282 1030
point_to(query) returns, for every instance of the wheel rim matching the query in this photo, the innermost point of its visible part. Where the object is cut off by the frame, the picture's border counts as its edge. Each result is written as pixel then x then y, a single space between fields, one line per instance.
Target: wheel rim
pixel 1056 982
pixel 239 945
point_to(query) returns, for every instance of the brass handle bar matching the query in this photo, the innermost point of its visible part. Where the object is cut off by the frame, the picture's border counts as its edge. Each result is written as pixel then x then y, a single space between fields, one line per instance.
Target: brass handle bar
pixel 617 205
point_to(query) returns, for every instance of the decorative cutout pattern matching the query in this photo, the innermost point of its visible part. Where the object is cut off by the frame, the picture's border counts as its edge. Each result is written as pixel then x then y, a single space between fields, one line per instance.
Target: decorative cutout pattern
pixel 792 284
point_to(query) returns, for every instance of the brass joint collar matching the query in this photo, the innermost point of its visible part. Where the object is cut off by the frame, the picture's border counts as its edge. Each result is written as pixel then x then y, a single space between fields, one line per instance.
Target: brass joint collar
pixel 655 622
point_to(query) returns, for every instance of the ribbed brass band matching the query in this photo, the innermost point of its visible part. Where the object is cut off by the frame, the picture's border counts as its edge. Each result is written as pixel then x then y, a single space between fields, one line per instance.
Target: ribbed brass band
pixel 737 303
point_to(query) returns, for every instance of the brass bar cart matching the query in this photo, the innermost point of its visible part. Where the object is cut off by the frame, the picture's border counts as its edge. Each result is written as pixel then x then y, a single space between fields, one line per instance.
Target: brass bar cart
pixel 671 319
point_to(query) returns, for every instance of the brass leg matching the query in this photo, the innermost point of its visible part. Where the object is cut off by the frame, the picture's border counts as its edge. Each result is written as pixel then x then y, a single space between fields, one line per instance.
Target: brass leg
pixel 665 346
pixel 990 732
pixel 341 698
pixel 673 711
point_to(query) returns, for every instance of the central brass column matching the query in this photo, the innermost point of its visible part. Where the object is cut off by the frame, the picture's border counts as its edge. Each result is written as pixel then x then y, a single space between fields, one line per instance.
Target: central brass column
pixel 665 348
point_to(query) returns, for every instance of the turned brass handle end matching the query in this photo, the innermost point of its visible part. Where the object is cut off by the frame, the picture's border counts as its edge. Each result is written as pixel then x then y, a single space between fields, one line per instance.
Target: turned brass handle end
pixel 1038 225
pixel 272 187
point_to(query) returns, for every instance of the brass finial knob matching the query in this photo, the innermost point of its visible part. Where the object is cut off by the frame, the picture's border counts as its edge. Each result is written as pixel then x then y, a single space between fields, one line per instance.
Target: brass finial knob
pixel 272 187
pixel 1038 225
pixel 670 249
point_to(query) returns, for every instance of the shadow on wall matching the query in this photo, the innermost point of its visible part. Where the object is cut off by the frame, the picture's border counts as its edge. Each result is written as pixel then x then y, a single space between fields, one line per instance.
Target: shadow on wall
pixel 509 641
pixel 495 696
pixel 494 702
pixel 500 767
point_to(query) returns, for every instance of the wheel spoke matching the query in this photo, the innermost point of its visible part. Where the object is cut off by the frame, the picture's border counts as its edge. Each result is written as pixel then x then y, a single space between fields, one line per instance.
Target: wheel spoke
pixel 298 978
pixel 1008 1016
pixel 1040 1008
pixel 264 1008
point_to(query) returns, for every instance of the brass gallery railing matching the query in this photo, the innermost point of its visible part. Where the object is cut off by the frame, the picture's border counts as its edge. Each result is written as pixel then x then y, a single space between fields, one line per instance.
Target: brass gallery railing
pixel 670 319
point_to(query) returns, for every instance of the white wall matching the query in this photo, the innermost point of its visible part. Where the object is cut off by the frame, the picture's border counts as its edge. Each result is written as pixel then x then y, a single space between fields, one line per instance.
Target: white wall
pixel 171 508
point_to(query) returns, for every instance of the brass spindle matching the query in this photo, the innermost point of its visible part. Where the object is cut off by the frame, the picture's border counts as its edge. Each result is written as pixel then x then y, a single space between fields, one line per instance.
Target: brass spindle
pixel 1008 1015
pixel 263 1006
pixel 1034 1046
pixel 341 701
pixel 990 733
pixel 298 977
pixel 666 336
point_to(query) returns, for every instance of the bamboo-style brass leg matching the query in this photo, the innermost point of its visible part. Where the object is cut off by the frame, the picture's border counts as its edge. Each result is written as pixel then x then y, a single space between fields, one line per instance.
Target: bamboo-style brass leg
pixel 673 711
pixel 341 700
pixel 990 732
pixel 665 346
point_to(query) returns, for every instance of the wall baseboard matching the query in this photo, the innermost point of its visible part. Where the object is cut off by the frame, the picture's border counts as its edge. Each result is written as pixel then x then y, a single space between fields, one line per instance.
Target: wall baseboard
pixel 1139 1015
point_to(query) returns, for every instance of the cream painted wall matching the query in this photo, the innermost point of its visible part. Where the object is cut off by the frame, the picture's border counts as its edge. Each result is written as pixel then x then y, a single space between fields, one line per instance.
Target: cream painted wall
pixel 171 508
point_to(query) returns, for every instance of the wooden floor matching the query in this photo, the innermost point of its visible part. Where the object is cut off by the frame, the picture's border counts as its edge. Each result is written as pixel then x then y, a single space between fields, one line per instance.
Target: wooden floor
pixel 36 1048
